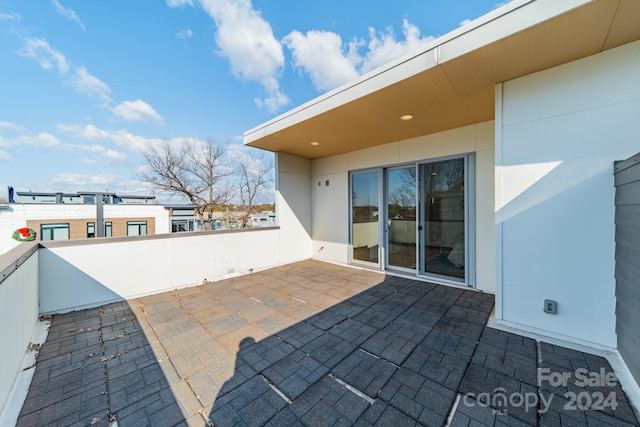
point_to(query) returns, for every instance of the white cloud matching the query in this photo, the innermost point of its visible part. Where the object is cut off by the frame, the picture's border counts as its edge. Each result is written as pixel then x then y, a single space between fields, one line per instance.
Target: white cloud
pixel 185 34
pixel 72 182
pixel 43 139
pixel 330 62
pixel 41 51
pixel 10 126
pixel 80 79
pixel 274 103
pixel 85 83
pixel 121 138
pixel 136 111
pixel 99 154
pixel 178 3
pixel 10 17
pixel 321 54
pixel 76 180
pixel 110 156
pixel 46 140
pixel 465 22
pixel 67 12
pixel 385 48
pixel 247 41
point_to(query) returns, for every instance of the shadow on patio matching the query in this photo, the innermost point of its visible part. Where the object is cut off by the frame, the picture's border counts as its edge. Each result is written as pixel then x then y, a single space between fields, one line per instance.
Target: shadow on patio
pixel 311 344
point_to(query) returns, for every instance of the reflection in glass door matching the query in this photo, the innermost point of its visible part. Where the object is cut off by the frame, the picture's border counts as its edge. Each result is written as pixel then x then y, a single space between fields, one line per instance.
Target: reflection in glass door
pixel 400 224
pixel 444 217
pixel 364 217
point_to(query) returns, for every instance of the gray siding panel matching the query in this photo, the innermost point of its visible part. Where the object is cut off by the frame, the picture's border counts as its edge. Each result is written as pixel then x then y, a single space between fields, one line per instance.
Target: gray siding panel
pixel 627 215
pixel 625 176
pixel 627 194
pixel 627 181
pixel 627 262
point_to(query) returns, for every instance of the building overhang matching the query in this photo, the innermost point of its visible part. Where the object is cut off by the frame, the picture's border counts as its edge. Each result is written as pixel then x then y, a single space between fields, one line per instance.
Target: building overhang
pixel 451 81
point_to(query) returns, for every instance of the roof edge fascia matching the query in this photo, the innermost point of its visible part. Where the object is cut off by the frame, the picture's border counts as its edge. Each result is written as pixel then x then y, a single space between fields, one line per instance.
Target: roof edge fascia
pixel 463 40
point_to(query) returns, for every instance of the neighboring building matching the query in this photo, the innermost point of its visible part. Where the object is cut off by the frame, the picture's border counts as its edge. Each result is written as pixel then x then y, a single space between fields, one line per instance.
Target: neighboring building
pixel 86 198
pixel 262 219
pixel 64 216
pixel 484 160
pixel 183 218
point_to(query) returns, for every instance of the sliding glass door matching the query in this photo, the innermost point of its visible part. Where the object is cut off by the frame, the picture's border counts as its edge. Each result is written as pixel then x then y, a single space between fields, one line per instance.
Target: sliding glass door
pixel 416 219
pixel 400 225
pixel 365 228
pixel 445 219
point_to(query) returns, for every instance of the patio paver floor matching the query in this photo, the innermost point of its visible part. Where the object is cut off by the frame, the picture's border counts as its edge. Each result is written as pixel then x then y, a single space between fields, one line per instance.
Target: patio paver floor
pixel 264 349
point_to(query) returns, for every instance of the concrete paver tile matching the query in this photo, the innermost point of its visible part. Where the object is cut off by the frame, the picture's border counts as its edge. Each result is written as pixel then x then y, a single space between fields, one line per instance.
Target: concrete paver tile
pixel 224 325
pixel 365 372
pixel 405 349
pixel 294 373
pixel 231 340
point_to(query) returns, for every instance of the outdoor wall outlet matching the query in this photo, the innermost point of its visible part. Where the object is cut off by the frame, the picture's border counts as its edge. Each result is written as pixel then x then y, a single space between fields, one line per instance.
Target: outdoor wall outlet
pixel 550 306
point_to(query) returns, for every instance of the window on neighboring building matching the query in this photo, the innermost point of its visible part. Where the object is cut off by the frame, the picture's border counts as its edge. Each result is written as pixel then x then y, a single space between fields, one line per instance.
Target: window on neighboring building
pixel 136 228
pixel 108 229
pixel 54 231
pixel 178 225
pixel 91 229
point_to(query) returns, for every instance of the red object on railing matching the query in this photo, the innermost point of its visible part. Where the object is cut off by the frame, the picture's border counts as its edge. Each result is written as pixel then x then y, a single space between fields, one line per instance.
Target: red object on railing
pixel 24 232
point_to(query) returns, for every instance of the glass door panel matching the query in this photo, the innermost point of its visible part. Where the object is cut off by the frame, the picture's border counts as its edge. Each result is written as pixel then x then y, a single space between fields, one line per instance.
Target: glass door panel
pixel 364 217
pixel 401 217
pixel 444 219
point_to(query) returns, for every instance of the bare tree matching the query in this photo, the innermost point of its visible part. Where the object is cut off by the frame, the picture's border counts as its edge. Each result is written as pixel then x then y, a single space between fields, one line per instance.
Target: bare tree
pixel 194 169
pixel 253 175
pixel 404 195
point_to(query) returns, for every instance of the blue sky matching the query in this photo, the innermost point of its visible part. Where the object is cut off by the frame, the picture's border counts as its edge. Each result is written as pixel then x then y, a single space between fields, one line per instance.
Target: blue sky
pixel 86 85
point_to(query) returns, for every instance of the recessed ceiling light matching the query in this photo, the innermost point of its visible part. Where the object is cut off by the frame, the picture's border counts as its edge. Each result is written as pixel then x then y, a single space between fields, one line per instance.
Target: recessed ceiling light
pixel 406 117
pixel 314 143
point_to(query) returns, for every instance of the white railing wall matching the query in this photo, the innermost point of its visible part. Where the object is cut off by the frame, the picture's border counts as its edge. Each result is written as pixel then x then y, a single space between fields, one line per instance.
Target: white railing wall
pixel 81 274
pixel 18 311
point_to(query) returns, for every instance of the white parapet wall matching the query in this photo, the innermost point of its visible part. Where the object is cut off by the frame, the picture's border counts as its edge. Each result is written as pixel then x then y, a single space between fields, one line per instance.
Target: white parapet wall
pixel 18 311
pixel 80 274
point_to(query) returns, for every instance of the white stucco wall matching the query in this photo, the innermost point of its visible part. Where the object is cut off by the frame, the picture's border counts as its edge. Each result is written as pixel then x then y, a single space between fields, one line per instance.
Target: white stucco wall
pixel 18 315
pixel 558 133
pixel 80 274
pixel 293 206
pixel 331 203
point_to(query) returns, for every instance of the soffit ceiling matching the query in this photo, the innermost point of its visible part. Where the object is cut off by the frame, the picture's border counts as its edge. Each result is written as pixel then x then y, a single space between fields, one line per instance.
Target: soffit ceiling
pixel 455 92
